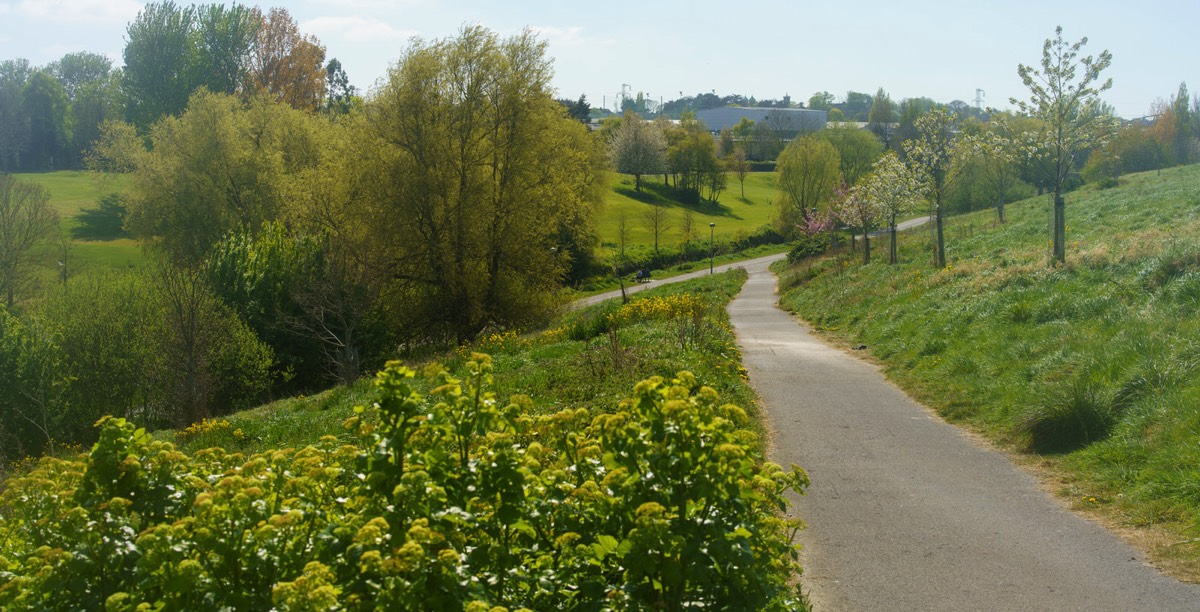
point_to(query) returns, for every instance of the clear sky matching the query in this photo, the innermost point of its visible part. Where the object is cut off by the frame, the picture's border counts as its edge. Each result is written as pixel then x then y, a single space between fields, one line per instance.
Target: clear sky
pixel 941 49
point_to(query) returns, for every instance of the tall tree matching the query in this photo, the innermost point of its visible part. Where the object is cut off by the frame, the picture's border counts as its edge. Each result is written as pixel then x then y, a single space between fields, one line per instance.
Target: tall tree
pixel 286 65
pixel 893 190
pixel 692 156
pixel 14 122
pixel 882 118
pixel 638 148
pixel 580 111
pixel 808 175
pixel 822 100
pixel 217 167
pixel 158 74
pixel 46 107
pixel 860 213
pixel 857 106
pixel 740 167
pixel 1002 166
pixel 95 103
pixel 1065 95
pixel 26 218
pixel 909 111
pixel 476 177
pixel 340 97
pixel 857 149
pixel 1182 144
pixel 75 71
pixel 224 41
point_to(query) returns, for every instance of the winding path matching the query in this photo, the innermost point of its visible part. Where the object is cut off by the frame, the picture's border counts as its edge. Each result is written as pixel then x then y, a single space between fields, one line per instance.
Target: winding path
pixel 905 512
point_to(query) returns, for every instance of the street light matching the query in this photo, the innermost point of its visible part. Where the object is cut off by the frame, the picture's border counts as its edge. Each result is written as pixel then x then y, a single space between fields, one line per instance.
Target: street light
pixel 711 228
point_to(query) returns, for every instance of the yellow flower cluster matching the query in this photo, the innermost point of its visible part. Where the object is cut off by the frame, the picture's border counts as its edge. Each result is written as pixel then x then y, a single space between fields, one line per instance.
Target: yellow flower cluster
pixel 661 307
pixel 487 343
pixel 206 426
pixel 551 336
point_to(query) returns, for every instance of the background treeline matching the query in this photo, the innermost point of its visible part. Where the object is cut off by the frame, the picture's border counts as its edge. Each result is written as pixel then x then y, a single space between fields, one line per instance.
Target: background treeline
pixel 50 115
pixel 290 248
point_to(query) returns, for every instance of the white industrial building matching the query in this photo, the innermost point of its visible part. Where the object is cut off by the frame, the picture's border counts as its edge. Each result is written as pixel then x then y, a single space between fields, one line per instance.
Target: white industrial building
pixel 790 121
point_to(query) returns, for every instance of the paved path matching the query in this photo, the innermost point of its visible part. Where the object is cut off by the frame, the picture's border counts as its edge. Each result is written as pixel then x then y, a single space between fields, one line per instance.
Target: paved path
pixel 905 512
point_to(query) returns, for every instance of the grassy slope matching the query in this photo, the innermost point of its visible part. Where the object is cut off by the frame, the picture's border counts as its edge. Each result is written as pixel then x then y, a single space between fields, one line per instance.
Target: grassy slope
pixel 1092 368
pixel 575 363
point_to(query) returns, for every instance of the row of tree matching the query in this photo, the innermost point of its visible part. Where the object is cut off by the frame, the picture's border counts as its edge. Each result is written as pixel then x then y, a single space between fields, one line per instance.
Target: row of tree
pixel 953 160
pixel 50 115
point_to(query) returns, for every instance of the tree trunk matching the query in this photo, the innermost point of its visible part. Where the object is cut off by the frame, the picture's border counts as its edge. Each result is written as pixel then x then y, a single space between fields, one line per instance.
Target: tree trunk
pixel 1060 228
pixel 941 238
pixel 892 247
pixel 1000 209
pixel 866 247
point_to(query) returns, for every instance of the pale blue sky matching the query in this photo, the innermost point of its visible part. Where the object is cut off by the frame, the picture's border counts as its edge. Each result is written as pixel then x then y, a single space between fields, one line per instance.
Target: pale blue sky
pixel 936 48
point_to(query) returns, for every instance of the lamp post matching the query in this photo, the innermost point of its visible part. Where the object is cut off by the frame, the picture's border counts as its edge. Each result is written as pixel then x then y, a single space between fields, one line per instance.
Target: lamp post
pixel 711 228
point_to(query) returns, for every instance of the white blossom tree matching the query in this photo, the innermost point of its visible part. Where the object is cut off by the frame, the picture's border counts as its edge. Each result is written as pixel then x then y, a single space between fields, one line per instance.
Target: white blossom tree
pixel 1065 95
pixel 938 155
pixel 894 190
pixel 859 213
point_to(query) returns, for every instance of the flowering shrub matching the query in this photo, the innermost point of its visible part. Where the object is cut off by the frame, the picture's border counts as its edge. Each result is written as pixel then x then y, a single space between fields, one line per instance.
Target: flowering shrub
pixel 450 500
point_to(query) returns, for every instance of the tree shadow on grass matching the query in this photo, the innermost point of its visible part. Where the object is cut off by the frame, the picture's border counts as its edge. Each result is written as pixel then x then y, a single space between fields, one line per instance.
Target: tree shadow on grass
pixel 105 222
pixel 658 194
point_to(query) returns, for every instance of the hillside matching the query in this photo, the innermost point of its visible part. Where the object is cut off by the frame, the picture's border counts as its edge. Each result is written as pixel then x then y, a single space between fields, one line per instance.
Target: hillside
pixel 1091 370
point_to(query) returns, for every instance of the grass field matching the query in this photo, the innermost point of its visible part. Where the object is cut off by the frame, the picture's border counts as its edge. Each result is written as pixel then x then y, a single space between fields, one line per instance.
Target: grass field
pixel 70 192
pixel 1090 370
pixel 732 214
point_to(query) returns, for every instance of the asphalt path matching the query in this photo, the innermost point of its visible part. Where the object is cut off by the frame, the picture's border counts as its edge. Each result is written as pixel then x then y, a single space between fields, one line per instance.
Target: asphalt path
pixel 905 512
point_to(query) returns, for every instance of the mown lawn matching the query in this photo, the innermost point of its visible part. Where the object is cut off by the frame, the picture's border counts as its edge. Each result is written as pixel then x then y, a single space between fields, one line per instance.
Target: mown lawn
pixel 732 213
pixel 70 192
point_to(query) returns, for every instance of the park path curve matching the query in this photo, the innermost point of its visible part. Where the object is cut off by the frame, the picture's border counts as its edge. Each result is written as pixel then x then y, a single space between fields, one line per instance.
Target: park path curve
pixel 907 513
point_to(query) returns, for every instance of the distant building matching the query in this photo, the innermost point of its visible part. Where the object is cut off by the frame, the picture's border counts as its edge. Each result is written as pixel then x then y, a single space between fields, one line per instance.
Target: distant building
pixel 786 121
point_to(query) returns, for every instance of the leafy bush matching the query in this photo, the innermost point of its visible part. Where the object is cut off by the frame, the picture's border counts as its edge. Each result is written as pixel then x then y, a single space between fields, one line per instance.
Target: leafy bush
pixel 807 245
pixel 450 500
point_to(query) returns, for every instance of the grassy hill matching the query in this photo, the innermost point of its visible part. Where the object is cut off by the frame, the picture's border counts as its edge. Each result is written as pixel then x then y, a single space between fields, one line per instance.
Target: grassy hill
pixel 1091 370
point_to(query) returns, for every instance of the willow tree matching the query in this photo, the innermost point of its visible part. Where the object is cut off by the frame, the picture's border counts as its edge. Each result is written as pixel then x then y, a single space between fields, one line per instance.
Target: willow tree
pixel 809 173
pixel 1065 95
pixel 482 187
pixel 218 167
